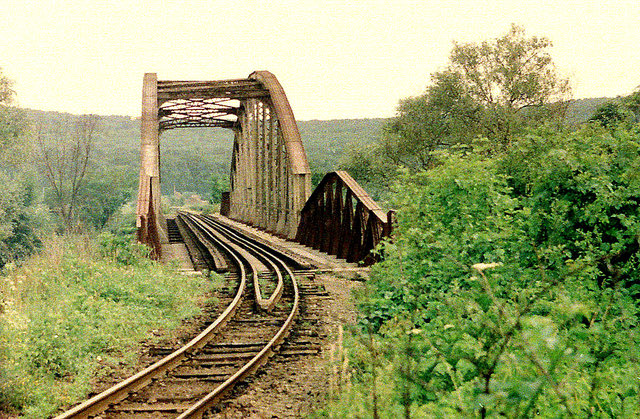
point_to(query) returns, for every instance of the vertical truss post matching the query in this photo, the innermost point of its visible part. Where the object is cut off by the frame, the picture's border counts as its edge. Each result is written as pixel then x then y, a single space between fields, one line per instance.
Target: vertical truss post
pixel 149 204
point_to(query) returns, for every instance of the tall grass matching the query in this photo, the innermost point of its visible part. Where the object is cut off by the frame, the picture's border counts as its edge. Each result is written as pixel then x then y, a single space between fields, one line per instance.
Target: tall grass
pixel 77 310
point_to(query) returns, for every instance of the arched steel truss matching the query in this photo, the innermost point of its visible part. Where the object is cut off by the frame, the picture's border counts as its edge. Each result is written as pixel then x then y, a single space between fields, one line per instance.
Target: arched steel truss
pixel 270 176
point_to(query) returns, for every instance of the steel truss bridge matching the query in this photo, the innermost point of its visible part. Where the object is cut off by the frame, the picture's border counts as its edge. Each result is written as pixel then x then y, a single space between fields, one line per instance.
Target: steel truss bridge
pixel 270 175
pixel 270 303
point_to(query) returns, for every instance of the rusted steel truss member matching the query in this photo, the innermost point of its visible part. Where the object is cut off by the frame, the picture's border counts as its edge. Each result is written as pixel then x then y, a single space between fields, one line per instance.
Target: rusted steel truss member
pixel 341 219
pixel 149 221
pixel 270 176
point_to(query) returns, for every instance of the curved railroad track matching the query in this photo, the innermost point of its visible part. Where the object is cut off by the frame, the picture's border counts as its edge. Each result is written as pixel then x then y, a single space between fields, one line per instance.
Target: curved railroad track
pixel 189 381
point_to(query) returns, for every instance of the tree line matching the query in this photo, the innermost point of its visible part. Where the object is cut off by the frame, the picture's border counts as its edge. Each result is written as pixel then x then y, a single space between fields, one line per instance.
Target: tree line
pixel 495 91
pixel 51 177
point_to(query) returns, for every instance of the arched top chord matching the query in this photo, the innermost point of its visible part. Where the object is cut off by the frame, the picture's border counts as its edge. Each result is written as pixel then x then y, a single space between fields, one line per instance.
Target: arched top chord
pixel 293 142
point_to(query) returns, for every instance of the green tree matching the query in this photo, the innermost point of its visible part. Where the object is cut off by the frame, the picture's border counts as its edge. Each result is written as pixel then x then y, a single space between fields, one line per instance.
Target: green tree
pixel 495 89
pixel 103 194
pixel 13 148
pixel 17 236
pixel 511 286
pixel 6 91
pixel 622 110
pixel 64 151
pixel 218 185
pixel 443 116
pixel 513 79
pixel 372 172
pixel 611 114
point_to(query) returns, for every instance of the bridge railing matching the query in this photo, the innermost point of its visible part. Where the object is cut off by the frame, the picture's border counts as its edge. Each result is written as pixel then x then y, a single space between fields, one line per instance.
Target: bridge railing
pixel 341 219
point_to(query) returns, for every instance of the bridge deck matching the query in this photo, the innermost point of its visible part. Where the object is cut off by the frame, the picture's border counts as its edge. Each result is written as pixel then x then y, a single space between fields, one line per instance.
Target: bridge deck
pixel 314 258
pixel 178 252
pixel 306 255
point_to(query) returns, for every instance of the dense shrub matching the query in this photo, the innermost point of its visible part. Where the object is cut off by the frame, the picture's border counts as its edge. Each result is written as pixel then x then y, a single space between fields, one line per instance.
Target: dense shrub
pixel 17 236
pixel 121 249
pixel 510 288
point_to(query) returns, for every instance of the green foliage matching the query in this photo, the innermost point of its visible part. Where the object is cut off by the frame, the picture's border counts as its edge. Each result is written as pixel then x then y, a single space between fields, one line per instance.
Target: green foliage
pixel 512 71
pixel 121 249
pixel 123 221
pixel 441 117
pixel 17 236
pixel 495 89
pixel 6 92
pixel 217 187
pixel 70 315
pixel 191 156
pixel 583 192
pixel 620 111
pixel 372 173
pixel 632 103
pixel 611 114
pixel 510 289
pixel 103 195
pixel 63 158
pixel 13 146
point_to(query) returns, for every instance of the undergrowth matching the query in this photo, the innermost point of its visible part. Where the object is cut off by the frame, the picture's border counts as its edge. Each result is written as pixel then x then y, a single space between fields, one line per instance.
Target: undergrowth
pixel 78 310
pixel 510 289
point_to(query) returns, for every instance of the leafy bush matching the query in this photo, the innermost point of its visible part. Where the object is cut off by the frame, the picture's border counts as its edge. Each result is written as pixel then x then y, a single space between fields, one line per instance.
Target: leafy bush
pixel 17 237
pixel 611 114
pixel 621 111
pixel 102 197
pixel 122 249
pixel 510 288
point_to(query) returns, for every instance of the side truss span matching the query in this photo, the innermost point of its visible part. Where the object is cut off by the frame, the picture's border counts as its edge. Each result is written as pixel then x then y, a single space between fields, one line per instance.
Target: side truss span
pixel 270 176
pixel 341 219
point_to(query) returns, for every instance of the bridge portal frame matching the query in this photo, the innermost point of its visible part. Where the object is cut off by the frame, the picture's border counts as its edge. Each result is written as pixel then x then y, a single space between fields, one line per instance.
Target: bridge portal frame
pixel 270 175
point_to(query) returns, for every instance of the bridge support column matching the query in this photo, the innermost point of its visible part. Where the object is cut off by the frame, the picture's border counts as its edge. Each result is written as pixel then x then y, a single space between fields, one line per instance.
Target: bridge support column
pixel 149 198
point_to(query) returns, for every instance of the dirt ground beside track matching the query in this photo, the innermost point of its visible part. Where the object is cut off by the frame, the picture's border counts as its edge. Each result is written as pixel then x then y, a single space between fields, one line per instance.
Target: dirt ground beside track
pixel 294 387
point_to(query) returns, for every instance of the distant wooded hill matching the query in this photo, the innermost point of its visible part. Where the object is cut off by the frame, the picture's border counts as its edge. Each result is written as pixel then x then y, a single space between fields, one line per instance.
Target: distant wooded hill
pixel 190 157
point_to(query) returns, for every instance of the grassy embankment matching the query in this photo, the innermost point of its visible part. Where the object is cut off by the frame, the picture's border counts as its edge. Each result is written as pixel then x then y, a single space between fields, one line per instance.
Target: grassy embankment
pixel 77 311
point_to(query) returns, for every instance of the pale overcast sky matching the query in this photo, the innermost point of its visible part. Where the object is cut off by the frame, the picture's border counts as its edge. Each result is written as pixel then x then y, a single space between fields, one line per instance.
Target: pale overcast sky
pixel 335 59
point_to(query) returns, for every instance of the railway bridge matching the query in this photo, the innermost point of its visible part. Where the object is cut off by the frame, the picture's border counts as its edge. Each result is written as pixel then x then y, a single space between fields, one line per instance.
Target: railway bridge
pixel 272 303
pixel 270 177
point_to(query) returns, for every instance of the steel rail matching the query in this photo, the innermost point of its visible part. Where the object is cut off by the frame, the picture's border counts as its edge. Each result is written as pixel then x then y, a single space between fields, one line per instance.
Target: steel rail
pixel 198 409
pixel 260 243
pixel 120 391
pixel 203 226
pixel 265 303
pixel 273 250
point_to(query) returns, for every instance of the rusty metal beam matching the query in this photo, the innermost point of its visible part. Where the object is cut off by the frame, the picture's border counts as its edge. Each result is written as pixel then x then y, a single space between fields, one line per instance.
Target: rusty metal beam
pixel 150 221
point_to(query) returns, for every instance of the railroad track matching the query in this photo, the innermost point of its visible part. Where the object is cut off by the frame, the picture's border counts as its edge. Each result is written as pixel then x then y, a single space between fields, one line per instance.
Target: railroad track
pixel 260 311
